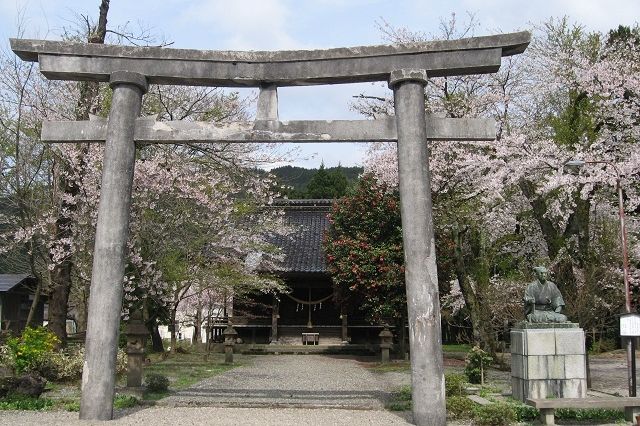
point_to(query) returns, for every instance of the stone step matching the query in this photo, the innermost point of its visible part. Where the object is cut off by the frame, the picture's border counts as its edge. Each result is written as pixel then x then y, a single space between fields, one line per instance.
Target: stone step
pixel 257 349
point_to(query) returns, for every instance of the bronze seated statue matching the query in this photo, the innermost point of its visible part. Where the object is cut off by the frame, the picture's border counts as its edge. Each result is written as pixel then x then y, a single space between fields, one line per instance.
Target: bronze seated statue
pixel 542 299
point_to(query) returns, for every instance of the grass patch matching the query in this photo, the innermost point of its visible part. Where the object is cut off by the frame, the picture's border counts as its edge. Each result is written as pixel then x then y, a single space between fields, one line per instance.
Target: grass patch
pixel 124 401
pixel 488 390
pixel 70 405
pixel 385 367
pixel 154 396
pixel 401 365
pixel 27 403
pixel 184 370
pixel 400 399
pixel 456 348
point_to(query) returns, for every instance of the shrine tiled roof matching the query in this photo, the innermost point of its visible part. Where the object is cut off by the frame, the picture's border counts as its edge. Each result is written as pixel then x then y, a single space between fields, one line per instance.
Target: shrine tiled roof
pixel 9 281
pixel 302 249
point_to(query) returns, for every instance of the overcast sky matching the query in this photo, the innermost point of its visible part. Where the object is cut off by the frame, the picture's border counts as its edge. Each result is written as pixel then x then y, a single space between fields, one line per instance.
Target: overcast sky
pixel 306 24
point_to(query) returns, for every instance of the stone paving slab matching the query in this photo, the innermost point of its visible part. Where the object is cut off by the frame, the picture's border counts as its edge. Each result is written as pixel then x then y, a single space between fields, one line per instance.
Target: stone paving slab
pixel 302 381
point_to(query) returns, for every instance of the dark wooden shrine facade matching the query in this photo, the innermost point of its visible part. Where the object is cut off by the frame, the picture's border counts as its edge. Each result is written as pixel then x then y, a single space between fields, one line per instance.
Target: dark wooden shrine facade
pixel 309 307
pixel 16 297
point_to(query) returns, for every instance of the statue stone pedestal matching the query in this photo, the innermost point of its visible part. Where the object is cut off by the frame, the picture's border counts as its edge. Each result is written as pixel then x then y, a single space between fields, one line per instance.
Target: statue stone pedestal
pixel 548 361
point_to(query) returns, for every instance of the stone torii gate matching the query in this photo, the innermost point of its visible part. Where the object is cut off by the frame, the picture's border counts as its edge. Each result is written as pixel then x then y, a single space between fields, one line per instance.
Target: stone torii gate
pixel 129 71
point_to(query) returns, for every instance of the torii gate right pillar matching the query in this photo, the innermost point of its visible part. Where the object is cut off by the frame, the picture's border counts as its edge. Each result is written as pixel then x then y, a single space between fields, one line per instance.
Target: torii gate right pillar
pixel 421 277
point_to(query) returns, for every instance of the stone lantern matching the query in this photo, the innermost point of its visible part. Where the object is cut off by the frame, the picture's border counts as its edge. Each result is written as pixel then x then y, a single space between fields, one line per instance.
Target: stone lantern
pixel 386 342
pixel 136 333
pixel 230 335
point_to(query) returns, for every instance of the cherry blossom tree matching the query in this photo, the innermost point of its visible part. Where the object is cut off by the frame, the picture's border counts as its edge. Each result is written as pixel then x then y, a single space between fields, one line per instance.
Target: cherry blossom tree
pixel 572 95
pixel 190 202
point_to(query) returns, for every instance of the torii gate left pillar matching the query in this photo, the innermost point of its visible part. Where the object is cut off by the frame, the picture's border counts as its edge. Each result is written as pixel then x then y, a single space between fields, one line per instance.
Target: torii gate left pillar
pixel 112 230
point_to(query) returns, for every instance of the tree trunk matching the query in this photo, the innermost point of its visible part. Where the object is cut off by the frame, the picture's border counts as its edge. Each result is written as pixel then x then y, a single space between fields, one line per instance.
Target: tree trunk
pixel 551 236
pixel 577 225
pixel 403 337
pixel 34 304
pixel 59 300
pixel 209 331
pixel 37 291
pixel 151 321
pixel 197 335
pixel 82 308
pixel 156 339
pixel 61 282
pixel 173 331
pixel 480 319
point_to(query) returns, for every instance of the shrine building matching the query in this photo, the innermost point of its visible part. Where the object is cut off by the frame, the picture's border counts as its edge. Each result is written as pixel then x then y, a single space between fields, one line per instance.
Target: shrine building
pixel 309 309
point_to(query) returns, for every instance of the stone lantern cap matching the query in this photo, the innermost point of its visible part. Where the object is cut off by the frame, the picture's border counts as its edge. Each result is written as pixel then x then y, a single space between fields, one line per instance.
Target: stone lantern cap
pixel 386 337
pixel 230 333
pixel 385 334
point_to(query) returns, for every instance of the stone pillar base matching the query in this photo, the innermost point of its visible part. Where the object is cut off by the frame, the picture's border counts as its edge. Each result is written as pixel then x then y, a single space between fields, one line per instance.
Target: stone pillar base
pixel 548 361
pixel 228 354
pixel 384 356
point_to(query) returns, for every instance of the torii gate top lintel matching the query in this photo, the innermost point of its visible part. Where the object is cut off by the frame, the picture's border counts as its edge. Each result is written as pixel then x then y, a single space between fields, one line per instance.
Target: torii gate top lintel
pixel 94 62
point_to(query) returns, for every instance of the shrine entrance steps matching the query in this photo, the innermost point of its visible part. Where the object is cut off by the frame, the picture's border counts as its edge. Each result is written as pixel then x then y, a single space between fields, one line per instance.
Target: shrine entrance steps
pixel 299 349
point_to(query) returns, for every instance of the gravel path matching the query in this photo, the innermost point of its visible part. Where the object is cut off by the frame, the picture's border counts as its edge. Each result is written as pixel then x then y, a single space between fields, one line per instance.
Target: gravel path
pixel 284 390
pixel 292 390
pixel 299 381
pixel 159 416
pixel 609 374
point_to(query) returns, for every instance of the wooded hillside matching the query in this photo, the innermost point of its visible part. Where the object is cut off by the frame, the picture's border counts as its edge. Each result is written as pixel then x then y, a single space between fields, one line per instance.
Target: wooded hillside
pixel 297 179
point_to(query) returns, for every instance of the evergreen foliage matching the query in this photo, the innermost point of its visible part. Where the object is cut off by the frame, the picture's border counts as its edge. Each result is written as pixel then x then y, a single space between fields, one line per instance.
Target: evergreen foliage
pixel 325 182
pixel 454 384
pixel 460 407
pixel 25 403
pixel 157 382
pixel 364 251
pixel 31 348
pixel 477 363
pixel 496 414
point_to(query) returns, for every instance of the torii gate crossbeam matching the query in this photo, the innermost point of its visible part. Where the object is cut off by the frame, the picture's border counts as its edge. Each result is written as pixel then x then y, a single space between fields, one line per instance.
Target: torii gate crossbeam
pixel 129 70
pixel 148 131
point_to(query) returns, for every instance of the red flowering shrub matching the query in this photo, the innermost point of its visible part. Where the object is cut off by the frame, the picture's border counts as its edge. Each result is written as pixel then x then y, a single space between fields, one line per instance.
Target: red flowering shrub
pixel 364 250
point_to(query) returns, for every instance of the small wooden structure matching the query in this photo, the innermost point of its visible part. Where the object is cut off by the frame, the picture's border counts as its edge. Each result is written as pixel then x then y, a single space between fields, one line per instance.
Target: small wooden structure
pixel 16 296
pixel 310 338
